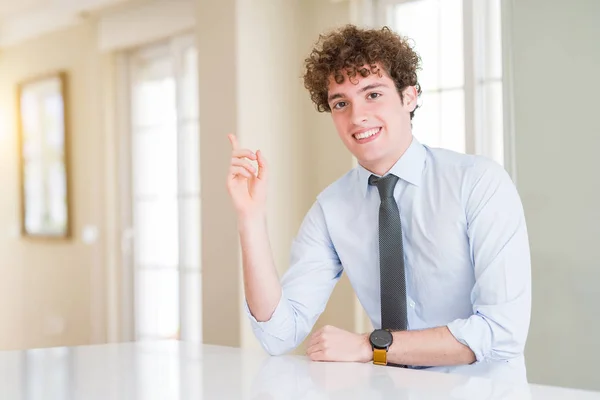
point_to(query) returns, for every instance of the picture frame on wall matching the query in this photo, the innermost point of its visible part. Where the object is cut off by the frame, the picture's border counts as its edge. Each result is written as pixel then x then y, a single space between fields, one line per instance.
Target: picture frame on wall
pixel 43 154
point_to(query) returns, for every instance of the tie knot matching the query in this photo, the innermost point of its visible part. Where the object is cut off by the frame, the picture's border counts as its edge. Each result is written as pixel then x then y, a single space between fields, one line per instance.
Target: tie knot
pixel 385 185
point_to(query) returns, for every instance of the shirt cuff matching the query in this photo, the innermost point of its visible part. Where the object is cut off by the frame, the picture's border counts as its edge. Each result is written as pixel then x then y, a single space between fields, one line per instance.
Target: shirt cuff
pixel 280 322
pixel 474 333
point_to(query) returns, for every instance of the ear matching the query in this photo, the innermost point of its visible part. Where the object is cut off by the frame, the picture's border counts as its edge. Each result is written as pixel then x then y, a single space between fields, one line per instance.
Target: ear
pixel 410 97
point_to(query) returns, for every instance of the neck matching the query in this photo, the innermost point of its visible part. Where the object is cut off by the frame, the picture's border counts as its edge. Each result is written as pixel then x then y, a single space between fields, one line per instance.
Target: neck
pixel 381 167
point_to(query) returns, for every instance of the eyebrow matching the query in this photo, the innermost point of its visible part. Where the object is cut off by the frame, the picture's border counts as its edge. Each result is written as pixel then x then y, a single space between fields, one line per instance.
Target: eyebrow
pixel 362 90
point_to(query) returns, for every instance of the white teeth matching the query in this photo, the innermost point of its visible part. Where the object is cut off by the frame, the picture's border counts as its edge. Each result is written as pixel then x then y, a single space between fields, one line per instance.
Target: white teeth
pixel 366 134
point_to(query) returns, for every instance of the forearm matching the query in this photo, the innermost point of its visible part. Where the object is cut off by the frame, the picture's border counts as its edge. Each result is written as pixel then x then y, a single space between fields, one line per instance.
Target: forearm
pixel 429 347
pixel 261 282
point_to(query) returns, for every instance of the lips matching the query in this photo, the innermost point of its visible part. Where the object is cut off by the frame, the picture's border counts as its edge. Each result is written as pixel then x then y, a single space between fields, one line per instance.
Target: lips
pixel 367 135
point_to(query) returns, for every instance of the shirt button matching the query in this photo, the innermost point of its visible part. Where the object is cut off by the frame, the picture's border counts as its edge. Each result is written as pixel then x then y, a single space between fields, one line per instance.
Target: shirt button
pixel 412 304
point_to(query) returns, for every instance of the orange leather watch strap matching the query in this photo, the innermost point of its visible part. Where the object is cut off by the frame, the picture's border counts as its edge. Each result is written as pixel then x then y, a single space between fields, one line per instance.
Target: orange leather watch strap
pixel 380 356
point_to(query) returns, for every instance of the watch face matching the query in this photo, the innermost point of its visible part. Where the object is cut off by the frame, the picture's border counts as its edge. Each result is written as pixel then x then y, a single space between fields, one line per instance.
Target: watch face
pixel 381 338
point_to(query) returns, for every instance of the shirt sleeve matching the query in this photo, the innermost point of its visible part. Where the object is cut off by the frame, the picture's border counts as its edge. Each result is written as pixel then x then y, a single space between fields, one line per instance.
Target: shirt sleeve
pixel 306 287
pixel 499 247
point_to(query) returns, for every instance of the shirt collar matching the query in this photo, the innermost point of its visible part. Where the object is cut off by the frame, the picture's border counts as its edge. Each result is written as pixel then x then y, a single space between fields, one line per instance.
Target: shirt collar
pixel 409 167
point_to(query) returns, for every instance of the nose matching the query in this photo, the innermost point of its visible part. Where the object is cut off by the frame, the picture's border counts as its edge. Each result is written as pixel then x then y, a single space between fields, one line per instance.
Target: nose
pixel 359 114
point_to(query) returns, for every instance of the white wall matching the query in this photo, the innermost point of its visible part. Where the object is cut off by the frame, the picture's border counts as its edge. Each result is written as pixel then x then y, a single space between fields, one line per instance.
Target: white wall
pixel 269 89
pixel 556 71
pixel 251 84
pixel 52 293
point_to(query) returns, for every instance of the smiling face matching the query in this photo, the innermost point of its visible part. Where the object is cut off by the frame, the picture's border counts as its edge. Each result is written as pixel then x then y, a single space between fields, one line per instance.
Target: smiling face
pixel 372 119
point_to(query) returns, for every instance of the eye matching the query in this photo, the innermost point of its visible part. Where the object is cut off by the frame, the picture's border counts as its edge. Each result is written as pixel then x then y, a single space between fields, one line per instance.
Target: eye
pixel 374 95
pixel 339 105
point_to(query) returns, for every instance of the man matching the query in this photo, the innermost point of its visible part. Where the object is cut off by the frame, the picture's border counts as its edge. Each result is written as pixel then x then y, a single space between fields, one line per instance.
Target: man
pixel 434 242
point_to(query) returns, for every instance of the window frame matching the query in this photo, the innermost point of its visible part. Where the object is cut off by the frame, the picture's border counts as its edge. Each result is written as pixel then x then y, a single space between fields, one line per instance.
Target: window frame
pixel 189 330
pixel 477 140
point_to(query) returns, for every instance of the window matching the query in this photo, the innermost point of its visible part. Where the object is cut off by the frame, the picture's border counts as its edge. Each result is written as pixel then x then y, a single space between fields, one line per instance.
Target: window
pixel 460 45
pixel 164 191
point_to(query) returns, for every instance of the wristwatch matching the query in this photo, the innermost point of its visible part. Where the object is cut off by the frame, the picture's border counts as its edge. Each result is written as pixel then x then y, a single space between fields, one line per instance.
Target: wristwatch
pixel 381 340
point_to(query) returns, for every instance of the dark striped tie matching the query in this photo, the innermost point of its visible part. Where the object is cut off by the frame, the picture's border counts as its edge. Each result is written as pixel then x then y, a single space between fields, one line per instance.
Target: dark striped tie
pixel 391 256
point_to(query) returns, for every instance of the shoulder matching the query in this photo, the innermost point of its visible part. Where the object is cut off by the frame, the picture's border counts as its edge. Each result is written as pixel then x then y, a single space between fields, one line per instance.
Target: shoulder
pixel 328 205
pixel 474 179
pixel 448 159
pixel 471 167
pixel 340 189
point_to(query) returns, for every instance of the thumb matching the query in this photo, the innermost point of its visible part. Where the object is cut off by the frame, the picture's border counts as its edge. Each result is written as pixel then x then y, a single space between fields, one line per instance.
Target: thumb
pixel 262 166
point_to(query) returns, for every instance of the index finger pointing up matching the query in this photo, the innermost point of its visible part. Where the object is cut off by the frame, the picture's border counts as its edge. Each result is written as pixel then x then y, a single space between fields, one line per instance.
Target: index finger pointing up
pixel 233 141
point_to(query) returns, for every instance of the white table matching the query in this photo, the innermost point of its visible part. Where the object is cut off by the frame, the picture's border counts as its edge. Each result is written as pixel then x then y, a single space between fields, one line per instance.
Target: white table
pixel 175 370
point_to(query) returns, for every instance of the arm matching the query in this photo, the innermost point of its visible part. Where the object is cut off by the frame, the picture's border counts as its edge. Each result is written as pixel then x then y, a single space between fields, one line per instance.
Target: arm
pixel 261 282
pixel 281 314
pixel 502 292
pixel 499 245
pixel 430 347
pixel 305 287
pixel 248 192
